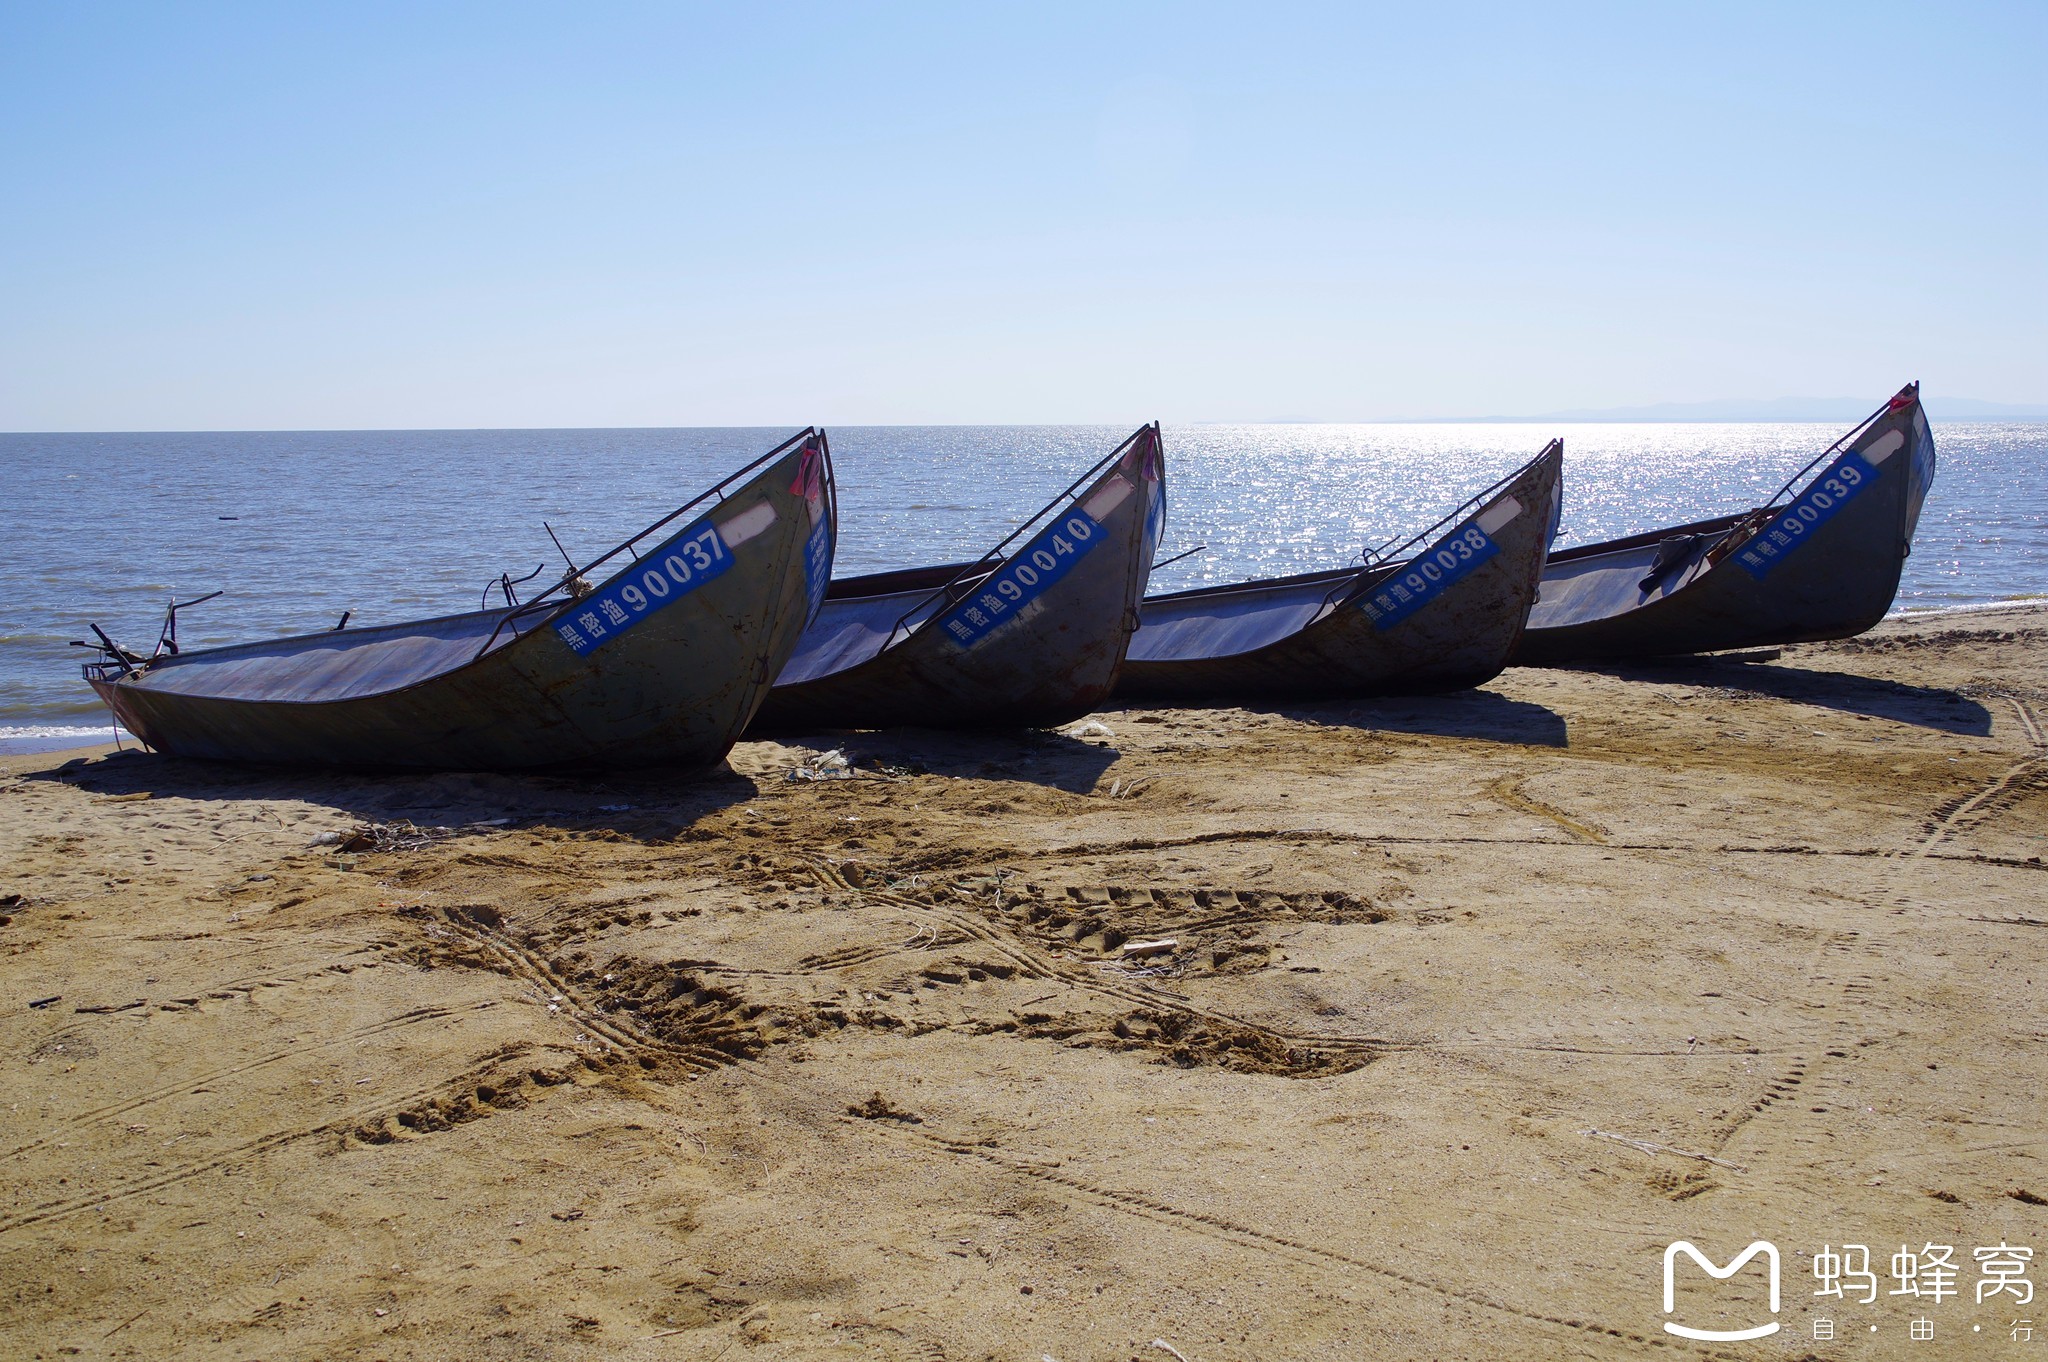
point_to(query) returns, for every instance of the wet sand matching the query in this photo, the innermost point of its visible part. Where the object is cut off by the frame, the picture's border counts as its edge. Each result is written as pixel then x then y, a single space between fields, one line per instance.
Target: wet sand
pixel 1476 1003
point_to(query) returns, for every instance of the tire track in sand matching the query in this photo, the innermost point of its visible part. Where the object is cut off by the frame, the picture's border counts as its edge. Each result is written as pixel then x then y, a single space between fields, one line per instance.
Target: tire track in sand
pixel 619 1030
pixel 1846 964
pixel 346 1123
pixel 90 1115
pixel 1032 964
pixel 959 926
pixel 1297 1252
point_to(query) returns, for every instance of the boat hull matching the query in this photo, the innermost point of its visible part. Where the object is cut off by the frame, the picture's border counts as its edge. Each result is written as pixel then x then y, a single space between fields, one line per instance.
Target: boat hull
pixel 1047 660
pixel 1327 635
pixel 674 688
pixel 1832 579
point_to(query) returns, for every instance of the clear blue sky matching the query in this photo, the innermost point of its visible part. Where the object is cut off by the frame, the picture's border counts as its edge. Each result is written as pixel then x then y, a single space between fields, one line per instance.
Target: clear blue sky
pixel 362 215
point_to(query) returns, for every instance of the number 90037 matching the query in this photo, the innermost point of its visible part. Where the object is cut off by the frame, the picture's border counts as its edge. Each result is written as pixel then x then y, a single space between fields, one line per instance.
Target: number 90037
pixel 679 569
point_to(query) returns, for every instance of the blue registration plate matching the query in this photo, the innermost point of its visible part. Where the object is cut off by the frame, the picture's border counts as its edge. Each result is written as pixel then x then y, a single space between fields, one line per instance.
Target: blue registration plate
pixel 1817 505
pixel 1023 579
pixel 1428 576
pixel 663 577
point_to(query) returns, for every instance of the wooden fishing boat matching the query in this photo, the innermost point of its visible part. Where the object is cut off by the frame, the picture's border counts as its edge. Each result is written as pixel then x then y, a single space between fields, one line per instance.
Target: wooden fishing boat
pixel 663 662
pixel 1028 639
pixel 1442 618
pixel 1821 564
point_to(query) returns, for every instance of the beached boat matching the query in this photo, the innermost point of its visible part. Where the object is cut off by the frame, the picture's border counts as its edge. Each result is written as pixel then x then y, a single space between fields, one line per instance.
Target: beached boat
pixel 662 663
pixel 1442 618
pixel 1821 564
pixel 1028 639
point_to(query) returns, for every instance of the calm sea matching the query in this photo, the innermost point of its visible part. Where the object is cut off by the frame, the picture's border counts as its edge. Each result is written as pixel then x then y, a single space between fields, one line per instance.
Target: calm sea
pixel 296 528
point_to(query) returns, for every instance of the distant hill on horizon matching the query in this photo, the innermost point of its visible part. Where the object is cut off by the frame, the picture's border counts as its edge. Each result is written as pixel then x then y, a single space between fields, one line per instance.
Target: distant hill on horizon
pixel 1836 410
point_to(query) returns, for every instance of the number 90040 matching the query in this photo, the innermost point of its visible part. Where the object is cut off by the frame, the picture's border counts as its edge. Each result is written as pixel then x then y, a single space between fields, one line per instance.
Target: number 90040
pixel 1044 559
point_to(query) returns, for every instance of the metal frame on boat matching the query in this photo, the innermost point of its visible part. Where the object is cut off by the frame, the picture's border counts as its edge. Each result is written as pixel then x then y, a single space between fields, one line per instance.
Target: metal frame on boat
pixel 1821 564
pixel 1442 618
pixel 660 664
pixel 1029 639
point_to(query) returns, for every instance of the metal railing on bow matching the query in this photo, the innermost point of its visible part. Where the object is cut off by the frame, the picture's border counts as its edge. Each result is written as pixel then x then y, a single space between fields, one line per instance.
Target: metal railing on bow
pixel 970 573
pixel 1393 552
pixel 575 576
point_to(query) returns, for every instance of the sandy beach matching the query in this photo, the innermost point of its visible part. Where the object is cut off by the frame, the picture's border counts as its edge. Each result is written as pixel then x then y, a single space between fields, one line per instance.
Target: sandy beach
pixel 1474 1004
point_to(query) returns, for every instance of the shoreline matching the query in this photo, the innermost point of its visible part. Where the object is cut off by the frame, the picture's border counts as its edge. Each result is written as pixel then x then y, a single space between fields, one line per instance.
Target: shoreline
pixel 25 745
pixel 12 745
pixel 2030 601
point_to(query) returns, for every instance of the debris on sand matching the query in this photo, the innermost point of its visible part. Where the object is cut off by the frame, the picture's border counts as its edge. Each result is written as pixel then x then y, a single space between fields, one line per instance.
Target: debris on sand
pixel 880 1108
pixel 832 765
pixel 403 835
pixel 399 835
pixel 1652 1147
pixel 838 765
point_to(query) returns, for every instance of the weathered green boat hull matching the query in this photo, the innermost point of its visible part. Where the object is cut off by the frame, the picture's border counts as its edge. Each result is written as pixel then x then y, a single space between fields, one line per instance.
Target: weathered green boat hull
pixel 1056 660
pixel 1309 637
pixel 676 688
pixel 1834 581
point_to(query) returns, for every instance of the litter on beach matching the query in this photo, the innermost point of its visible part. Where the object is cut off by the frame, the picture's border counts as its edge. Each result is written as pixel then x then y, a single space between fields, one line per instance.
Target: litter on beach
pixel 832 765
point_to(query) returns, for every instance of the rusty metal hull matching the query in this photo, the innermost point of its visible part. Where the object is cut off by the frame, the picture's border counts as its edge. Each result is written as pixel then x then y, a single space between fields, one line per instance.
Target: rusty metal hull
pixel 1693 588
pixel 880 654
pixel 1327 634
pixel 505 689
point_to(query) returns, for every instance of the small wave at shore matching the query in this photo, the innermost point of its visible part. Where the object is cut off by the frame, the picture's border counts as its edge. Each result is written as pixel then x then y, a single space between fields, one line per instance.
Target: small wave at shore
pixel 1967 608
pixel 16 739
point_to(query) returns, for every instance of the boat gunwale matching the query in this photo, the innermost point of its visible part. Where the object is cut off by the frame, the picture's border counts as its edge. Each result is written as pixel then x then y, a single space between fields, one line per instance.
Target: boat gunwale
pixel 897 581
pixel 1643 539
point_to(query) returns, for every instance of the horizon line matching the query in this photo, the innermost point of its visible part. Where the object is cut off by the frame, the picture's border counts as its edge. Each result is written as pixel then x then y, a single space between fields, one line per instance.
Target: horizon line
pixel 2030 418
